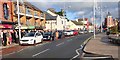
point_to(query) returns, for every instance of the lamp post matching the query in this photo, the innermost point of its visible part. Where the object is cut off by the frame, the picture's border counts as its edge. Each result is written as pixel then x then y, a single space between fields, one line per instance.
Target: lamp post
pixel 64 15
pixel 94 17
pixel 19 25
pixel 83 23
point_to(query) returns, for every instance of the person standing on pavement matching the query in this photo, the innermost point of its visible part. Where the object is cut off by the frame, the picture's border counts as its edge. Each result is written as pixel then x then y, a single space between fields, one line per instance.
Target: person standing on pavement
pixel 1 35
pixel 4 38
pixel 56 34
pixel 16 35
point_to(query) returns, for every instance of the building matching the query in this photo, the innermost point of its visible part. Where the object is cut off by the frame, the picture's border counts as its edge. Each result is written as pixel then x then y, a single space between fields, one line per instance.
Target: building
pixel 6 20
pixel 109 21
pixel 30 16
pixel 55 21
pixel 80 24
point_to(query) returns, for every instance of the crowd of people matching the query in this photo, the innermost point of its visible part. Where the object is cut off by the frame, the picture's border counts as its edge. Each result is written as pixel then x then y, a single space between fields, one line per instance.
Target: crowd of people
pixel 9 36
pixel 12 36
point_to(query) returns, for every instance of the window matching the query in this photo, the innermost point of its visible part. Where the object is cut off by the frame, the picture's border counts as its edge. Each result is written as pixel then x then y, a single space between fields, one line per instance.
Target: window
pixel 15 8
pixel 5 10
pixel 62 22
pixel 48 22
pixel 27 22
pixel 35 13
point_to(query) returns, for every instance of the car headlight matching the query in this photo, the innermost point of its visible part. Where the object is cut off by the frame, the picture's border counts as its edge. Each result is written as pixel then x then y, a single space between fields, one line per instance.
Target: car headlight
pixel 31 39
pixel 48 36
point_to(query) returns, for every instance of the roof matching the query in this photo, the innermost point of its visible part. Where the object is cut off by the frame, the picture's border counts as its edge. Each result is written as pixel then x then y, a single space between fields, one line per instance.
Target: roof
pixel 81 19
pixel 77 23
pixel 32 6
pixel 49 16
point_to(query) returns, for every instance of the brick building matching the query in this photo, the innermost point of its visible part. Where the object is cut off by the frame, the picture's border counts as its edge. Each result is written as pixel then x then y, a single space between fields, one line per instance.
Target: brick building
pixel 6 21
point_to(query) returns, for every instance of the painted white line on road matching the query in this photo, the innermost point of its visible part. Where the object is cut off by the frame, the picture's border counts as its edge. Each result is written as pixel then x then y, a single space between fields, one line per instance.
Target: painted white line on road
pixel 77 52
pixel 20 50
pixel 42 44
pixel 60 44
pixel 40 52
pixel 76 55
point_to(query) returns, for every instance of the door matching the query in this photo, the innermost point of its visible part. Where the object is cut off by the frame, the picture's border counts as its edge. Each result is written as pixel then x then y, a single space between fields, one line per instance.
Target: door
pixel 38 37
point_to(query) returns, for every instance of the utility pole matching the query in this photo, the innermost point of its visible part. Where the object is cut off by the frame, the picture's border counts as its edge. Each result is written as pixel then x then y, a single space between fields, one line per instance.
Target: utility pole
pixel 83 22
pixel 94 16
pixel 19 25
pixel 101 15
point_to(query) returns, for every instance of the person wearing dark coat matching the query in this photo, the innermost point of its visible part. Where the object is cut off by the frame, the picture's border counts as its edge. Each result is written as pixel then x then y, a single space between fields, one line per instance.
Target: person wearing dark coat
pixel 4 39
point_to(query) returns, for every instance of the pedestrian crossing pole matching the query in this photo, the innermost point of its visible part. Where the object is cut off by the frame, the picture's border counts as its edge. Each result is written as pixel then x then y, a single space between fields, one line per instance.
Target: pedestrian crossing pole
pixel 19 25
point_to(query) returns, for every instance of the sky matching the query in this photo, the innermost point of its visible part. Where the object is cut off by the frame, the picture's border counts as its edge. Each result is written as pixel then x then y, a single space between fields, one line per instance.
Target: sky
pixel 78 8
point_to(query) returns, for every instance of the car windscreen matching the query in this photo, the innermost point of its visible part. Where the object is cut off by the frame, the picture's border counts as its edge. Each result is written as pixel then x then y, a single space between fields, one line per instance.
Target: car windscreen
pixel 47 33
pixel 30 34
pixel 68 31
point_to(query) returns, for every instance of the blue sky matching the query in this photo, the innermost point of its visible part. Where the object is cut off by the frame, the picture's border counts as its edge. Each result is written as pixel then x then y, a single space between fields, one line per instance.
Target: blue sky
pixel 76 9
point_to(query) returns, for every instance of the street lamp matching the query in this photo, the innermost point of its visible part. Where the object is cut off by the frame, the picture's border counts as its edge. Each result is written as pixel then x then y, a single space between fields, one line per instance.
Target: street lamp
pixel 19 25
pixel 94 17
pixel 64 15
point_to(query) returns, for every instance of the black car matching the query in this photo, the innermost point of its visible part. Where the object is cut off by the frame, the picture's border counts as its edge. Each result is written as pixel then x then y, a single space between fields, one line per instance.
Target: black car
pixel 49 36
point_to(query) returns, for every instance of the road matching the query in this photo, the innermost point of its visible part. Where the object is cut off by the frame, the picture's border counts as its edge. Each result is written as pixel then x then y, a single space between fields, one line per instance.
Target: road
pixel 63 48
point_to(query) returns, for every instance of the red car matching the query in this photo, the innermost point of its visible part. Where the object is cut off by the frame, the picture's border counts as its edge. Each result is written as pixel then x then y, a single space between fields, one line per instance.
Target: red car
pixel 75 32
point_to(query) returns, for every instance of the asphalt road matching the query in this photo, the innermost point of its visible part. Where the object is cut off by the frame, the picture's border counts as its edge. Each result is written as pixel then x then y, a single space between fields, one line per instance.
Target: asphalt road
pixel 63 48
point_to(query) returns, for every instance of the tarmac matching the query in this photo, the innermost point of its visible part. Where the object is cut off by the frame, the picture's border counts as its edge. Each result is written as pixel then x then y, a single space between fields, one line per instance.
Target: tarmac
pixel 100 47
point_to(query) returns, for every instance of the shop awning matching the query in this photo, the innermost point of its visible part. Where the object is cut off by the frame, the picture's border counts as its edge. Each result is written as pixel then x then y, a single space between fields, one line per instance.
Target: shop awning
pixel 5 26
pixel 22 27
pixel 31 27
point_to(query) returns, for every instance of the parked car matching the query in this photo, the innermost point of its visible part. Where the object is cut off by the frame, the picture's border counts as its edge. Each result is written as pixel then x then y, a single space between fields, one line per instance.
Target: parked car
pixel 61 34
pixel 83 31
pixel 75 32
pixel 31 38
pixel 91 31
pixel 68 33
pixel 49 36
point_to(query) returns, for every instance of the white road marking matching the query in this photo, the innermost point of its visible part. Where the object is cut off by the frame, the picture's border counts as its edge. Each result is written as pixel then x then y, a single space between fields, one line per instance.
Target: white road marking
pixel 60 44
pixel 77 52
pixel 40 52
pixel 81 47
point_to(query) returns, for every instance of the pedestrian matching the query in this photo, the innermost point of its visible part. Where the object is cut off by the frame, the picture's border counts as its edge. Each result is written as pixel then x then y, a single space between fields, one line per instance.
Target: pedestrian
pixel 9 37
pixel 1 35
pixel 57 34
pixel 4 38
pixel 16 35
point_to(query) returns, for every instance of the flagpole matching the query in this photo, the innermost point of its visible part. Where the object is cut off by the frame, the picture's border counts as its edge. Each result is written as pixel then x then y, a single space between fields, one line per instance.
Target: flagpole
pixel 19 25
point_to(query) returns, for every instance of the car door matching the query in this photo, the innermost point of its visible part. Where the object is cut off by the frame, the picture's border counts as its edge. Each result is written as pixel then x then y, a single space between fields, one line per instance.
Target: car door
pixel 39 37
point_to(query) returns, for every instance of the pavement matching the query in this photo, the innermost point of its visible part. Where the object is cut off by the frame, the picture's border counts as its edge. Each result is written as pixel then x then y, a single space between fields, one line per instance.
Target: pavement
pixel 101 47
pixel 8 46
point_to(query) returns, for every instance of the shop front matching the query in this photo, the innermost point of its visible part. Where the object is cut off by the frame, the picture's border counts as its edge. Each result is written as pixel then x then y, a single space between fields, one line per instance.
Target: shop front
pixel 5 26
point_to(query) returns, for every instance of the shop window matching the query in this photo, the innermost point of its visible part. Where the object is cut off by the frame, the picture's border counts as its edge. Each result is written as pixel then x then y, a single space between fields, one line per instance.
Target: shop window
pixel 15 9
pixel 62 22
pixel 27 22
pixel 6 11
